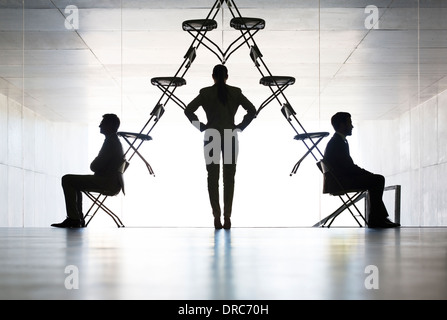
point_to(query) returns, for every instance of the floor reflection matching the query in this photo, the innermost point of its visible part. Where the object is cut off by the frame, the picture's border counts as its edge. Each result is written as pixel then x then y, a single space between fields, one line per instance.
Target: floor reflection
pixel 222 284
pixel 236 264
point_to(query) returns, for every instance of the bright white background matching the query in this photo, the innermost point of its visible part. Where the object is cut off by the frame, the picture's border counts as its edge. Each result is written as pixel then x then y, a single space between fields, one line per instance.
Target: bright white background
pixel 265 193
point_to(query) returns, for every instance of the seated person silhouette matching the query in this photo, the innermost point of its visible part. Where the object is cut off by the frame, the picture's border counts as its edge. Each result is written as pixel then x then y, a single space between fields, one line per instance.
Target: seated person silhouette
pixel 348 176
pixel 106 177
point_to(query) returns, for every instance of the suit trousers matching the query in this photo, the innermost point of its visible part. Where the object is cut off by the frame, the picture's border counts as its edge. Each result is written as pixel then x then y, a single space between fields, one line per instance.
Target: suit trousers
pixel 228 170
pixel 73 185
pixel 375 184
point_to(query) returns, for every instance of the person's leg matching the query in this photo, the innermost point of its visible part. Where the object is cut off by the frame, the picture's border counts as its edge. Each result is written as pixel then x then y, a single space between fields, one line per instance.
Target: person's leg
pixel 213 188
pixel 73 185
pixel 229 172
pixel 375 184
pixel 230 150
pixel 212 160
pixel 73 196
pixel 79 204
pixel 378 211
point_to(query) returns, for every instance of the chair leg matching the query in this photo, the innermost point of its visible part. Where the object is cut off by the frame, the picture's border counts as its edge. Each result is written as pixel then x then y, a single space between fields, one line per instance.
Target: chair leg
pixel 296 166
pixel 89 216
pixel 99 204
pixel 347 204
pixel 115 218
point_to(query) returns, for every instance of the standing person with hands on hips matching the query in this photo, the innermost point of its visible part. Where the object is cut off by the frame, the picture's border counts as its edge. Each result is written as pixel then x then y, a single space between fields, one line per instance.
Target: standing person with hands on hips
pixel 220 103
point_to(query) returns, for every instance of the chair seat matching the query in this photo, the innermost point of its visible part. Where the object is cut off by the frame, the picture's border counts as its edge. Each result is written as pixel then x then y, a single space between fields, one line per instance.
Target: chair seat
pixel 277 80
pixel 133 135
pixel 168 81
pixel 243 23
pixel 199 24
pixel 343 192
pixel 311 135
pixel 109 193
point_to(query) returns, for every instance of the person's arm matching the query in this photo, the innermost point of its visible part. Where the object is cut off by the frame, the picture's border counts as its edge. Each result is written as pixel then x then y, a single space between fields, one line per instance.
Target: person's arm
pixel 249 116
pixel 102 159
pixel 109 158
pixel 190 110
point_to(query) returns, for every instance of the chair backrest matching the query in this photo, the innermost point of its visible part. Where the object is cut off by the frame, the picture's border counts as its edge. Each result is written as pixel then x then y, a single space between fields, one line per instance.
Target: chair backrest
pixel 326 171
pixel 255 54
pixel 121 171
pixel 123 166
pixel 323 167
pixel 287 111
pixel 158 111
pixel 190 55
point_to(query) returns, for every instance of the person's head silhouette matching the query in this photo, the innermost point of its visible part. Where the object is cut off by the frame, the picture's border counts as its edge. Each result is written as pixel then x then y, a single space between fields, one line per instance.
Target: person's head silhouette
pixel 109 124
pixel 220 76
pixel 342 123
pixel 220 73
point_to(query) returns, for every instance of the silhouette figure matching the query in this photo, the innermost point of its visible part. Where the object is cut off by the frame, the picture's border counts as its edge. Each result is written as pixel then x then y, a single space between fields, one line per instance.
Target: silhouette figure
pixel 347 175
pixel 220 103
pixel 106 178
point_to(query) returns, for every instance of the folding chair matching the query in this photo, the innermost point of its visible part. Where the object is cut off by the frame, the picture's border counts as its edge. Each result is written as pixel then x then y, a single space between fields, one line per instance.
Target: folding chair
pixel 198 28
pixel 277 85
pixel 127 136
pixel 248 28
pixel 98 199
pixel 135 140
pixel 168 85
pixel 348 197
pixel 313 137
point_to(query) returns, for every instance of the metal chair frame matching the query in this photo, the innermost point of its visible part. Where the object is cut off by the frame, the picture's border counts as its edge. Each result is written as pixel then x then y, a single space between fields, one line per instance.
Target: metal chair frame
pixel 290 115
pixel 98 199
pixel 349 202
pixel 98 202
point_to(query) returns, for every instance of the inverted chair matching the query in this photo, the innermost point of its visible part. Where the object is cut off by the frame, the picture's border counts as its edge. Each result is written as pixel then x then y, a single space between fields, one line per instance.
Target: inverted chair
pixel 309 139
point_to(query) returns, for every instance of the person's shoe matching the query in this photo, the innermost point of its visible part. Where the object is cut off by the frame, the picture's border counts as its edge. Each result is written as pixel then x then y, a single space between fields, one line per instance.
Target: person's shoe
pixel 227 223
pixel 69 223
pixel 386 223
pixel 217 223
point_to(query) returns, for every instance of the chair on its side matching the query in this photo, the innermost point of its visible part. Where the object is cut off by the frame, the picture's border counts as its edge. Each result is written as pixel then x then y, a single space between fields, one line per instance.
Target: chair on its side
pixel 348 197
pixel 309 139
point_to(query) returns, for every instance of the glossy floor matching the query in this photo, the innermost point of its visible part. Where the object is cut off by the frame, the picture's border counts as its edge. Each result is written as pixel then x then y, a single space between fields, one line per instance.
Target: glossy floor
pixel 241 263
